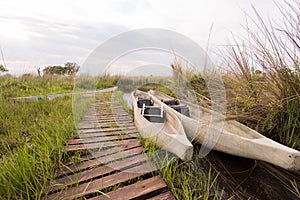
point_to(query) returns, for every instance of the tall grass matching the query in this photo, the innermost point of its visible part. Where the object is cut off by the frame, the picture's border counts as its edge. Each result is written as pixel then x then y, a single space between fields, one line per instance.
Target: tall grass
pixel 186 180
pixel 263 84
pixel 28 85
pixel 129 84
pixel 107 81
pixel 32 145
pixel 191 180
pixel 32 134
pixel 261 74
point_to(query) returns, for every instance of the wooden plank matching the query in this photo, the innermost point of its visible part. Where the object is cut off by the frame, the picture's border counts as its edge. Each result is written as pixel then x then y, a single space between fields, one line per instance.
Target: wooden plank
pixel 132 133
pixel 87 125
pixel 131 127
pixel 100 145
pixel 105 106
pixel 115 124
pixel 111 112
pixel 107 152
pixel 102 115
pixel 107 115
pixel 96 130
pixel 108 129
pixel 110 155
pixel 113 120
pixel 108 120
pixel 165 196
pixel 100 139
pixel 142 190
pixel 86 175
pixel 101 183
pixel 102 102
pixel 103 119
pixel 117 121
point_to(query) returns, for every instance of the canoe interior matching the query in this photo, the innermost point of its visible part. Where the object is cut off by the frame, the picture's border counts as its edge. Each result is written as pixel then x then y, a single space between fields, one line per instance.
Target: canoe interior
pixel 168 124
pixel 170 135
pixel 202 114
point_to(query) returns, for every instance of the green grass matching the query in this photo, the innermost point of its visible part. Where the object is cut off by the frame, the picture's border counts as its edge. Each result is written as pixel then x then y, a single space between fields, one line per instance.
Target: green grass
pixel 261 76
pixel 190 180
pixel 107 81
pixel 158 87
pixel 267 100
pixel 186 180
pixel 29 85
pixel 32 145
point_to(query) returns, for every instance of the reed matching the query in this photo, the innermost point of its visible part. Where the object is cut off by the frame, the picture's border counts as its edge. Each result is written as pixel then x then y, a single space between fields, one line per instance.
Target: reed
pixel 263 83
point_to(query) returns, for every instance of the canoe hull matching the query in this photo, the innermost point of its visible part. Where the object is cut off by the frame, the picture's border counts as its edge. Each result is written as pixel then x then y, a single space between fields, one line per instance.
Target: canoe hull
pixel 170 135
pixel 235 138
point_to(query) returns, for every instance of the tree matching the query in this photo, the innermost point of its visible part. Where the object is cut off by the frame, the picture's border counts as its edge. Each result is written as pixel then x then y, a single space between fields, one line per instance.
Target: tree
pixel 3 69
pixel 71 68
pixel 68 69
pixel 54 70
pixel 38 71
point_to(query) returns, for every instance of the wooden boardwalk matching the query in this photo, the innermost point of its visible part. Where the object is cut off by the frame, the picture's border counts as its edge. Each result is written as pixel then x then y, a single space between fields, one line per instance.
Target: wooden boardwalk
pixel 110 162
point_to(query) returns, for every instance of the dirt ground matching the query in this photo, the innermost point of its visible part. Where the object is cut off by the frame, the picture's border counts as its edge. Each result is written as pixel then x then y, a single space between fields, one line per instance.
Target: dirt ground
pixel 245 178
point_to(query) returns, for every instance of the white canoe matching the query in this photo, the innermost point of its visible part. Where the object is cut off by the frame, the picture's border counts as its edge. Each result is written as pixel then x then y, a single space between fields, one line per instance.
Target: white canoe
pixel 235 138
pixel 168 134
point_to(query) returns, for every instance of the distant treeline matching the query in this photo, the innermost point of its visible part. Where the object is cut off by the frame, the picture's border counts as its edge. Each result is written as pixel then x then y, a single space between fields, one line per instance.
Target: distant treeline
pixel 70 68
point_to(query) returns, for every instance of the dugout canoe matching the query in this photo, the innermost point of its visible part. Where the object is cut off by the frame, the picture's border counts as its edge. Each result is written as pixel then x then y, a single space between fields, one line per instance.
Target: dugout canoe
pixel 160 127
pixel 234 138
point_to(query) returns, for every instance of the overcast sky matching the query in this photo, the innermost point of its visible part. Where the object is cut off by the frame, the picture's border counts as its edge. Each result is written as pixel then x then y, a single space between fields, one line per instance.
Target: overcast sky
pixel 40 33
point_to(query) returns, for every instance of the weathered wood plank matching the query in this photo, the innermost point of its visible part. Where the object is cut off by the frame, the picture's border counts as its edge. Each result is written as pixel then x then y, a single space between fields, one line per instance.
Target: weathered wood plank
pixel 109 106
pixel 113 116
pixel 122 117
pixel 117 106
pixel 123 122
pixel 101 145
pixel 132 133
pixel 110 110
pixel 109 156
pixel 100 139
pixel 108 129
pixel 119 114
pixel 165 196
pixel 99 130
pixel 86 125
pixel 125 119
pixel 115 124
pixel 141 189
pixel 86 175
pixel 109 121
pixel 101 183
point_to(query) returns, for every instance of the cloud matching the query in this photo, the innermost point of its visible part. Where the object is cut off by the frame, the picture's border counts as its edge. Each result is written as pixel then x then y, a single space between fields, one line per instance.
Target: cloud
pixel 41 33
pixel 52 43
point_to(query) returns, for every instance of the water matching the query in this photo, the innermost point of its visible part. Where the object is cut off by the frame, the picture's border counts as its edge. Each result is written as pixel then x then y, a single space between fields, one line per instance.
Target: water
pixel 127 98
